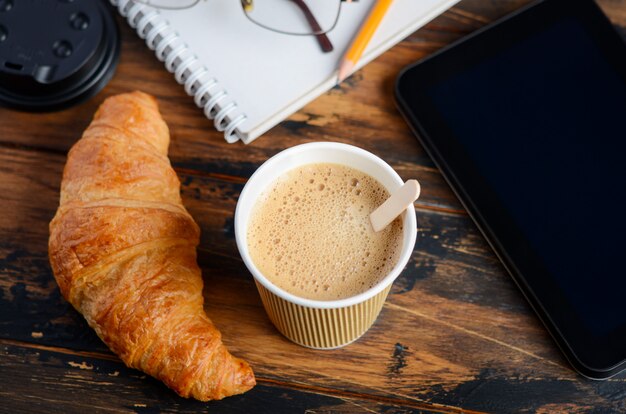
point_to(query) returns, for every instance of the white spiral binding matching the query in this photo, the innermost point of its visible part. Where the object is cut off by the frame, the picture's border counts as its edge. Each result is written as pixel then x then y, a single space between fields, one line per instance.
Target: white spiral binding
pixel 185 65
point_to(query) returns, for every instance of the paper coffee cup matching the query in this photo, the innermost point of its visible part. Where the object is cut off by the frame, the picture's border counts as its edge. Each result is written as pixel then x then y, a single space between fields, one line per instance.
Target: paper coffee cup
pixel 321 324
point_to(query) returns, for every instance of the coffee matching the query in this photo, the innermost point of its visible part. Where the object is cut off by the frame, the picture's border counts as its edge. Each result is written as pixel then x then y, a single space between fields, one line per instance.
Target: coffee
pixel 309 232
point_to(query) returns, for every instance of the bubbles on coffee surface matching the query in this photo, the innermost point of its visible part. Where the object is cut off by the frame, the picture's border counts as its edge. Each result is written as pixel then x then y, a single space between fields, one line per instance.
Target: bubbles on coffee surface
pixel 310 234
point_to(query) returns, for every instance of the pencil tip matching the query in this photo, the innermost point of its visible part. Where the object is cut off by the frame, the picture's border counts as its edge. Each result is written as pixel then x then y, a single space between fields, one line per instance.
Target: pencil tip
pixel 344 70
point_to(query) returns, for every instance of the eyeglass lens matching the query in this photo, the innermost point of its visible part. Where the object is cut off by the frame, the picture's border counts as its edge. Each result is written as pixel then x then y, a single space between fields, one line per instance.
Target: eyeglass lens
pixel 296 17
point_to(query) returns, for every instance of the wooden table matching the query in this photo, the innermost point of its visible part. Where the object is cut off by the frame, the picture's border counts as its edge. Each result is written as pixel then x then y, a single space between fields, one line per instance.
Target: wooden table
pixel 455 333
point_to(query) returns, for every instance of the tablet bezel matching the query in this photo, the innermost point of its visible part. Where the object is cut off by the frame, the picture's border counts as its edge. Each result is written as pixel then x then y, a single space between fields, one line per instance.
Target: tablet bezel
pixel 594 356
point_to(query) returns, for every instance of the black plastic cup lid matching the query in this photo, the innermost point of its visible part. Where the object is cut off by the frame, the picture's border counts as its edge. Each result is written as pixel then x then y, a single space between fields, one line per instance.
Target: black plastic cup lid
pixel 55 53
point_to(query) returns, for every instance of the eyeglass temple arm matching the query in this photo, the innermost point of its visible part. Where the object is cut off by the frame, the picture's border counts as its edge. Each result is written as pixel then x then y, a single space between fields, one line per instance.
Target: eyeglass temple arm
pixel 322 39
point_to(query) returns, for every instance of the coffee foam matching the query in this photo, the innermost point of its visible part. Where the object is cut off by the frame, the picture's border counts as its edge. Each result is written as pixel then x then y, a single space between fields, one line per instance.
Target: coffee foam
pixel 310 234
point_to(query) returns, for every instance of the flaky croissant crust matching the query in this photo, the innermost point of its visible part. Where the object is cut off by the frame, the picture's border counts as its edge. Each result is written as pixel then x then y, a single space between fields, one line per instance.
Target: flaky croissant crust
pixel 123 251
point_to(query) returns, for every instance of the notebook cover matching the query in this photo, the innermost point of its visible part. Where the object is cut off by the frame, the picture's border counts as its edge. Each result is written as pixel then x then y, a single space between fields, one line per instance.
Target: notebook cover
pixel 271 75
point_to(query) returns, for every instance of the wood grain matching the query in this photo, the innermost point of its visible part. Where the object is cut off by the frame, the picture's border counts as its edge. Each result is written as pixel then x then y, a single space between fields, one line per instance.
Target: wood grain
pixel 451 313
pixel 454 335
pixel 62 377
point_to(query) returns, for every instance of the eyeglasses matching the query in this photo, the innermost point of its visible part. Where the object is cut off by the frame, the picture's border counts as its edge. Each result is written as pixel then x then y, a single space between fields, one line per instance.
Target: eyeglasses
pixel 291 17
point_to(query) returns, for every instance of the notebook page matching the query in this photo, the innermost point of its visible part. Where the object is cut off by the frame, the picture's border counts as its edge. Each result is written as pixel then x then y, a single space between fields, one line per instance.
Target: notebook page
pixel 271 75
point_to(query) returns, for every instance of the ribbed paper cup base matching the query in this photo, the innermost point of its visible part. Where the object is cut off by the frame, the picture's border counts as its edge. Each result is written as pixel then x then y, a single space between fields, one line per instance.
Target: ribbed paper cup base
pixel 321 328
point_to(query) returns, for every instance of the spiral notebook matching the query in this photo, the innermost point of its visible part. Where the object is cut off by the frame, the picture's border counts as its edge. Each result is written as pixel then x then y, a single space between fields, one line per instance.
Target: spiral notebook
pixel 247 79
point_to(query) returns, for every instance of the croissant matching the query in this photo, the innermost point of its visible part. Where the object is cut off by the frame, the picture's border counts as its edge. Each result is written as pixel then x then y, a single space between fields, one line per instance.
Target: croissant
pixel 123 252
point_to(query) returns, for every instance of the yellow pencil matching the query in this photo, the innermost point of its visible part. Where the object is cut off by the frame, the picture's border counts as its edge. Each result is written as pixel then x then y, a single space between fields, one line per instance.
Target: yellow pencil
pixel 361 40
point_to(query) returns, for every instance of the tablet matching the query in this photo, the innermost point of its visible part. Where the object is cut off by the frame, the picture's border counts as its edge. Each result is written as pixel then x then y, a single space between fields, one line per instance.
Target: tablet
pixel 527 121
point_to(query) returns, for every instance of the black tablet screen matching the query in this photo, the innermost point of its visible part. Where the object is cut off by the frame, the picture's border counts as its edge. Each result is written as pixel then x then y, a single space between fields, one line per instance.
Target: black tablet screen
pixel 545 123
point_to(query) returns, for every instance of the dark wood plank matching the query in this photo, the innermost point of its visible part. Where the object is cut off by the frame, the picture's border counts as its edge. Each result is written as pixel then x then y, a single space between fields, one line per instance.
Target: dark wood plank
pixel 42 380
pixel 451 314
